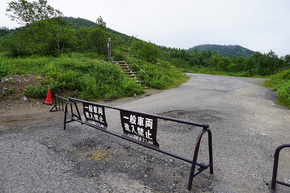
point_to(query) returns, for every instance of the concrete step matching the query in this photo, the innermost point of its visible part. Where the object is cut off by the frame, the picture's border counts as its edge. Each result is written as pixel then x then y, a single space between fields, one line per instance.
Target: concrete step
pixel 124 65
pixel 132 76
pixel 130 72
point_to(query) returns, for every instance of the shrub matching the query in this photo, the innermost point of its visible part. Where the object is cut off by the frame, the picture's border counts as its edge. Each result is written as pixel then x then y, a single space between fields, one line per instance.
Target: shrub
pixel 118 55
pixel 91 40
pixel 162 76
pixel 282 87
pixel 146 51
pixel 45 37
pixel 5 69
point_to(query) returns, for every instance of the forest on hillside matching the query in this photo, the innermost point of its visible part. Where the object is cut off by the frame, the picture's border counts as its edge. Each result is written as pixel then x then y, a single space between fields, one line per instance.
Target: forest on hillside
pixel 53 35
pixel 224 50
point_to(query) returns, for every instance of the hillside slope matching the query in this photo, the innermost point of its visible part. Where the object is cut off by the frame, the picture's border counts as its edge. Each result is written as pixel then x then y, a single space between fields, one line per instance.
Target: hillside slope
pixel 224 50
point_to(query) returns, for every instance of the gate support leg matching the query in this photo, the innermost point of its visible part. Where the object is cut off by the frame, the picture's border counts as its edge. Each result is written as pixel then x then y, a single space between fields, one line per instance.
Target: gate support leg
pixel 194 171
pixel 275 169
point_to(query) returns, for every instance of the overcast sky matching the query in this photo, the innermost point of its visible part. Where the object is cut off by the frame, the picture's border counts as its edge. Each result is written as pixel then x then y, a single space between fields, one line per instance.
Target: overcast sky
pixel 259 25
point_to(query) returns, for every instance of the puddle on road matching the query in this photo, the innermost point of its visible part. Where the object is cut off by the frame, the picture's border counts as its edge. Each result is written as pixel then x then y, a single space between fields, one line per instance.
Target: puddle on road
pixel 92 150
pixel 202 116
pixel 96 155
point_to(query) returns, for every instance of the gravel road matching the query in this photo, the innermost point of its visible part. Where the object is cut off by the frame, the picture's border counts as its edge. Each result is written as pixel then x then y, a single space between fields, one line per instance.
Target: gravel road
pixel 37 155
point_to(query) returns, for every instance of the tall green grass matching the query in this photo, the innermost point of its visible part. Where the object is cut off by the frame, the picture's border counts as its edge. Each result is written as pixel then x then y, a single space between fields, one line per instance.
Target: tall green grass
pixel 160 76
pixel 91 79
pixel 281 84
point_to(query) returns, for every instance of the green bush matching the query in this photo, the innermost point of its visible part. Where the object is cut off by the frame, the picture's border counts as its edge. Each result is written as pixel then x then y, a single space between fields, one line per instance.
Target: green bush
pixel 146 51
pixel 281 82
pixel 91 40
pixel 5 69
pixel 45 37
pixel 160 76
pixel 117 55
pixel 243 74
pixel 38 91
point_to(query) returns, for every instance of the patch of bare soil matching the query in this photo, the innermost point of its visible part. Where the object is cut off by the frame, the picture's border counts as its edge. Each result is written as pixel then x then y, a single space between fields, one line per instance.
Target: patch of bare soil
pixel 17 109
pixel 12 99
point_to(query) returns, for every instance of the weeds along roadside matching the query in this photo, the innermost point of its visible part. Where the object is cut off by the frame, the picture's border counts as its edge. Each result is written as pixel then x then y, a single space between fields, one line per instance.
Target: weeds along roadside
pixel 281 84
pixel 90 78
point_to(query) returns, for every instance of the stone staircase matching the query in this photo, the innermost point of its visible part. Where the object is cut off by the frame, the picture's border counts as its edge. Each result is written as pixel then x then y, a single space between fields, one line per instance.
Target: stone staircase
pixel 128 71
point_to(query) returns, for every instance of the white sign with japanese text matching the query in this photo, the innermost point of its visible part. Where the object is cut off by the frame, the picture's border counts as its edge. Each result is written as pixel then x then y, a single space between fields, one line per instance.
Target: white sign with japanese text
pixel 139 126
pixel 95 115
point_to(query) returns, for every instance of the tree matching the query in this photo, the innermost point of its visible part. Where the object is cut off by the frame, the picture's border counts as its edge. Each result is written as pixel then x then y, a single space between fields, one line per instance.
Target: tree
pixel 5 31
pixel 145 50
pixel 24 12
pixel 91 39
pixel 268 64
pixel 286 62
pixel 223 63
pixel 45 37
pixel 241 64
pixel 232 67
pixel 273 62
pixel 101 23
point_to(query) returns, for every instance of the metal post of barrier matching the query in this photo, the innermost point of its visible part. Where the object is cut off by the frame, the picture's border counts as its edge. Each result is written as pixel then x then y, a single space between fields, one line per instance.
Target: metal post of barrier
pixel 275 169
pixel 210 151
pixel 74 117
pixel 194 171
pixel 62 104
pixel 55 107
pixel 78 116
pixel 109 50
pixel 58 103
pixel 71 108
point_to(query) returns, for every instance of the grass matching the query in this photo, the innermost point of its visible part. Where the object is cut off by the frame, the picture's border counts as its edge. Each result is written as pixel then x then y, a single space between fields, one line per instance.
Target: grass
pixel 281 84
pixel 160 76
pixel 88 77
pixel 269 84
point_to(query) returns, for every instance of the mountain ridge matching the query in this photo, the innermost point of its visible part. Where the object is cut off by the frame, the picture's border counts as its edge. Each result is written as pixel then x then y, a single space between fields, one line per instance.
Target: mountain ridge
pixel 224 50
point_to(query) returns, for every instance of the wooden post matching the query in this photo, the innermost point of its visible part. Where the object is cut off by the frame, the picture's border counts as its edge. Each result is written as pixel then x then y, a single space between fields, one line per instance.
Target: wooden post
pixel 109 50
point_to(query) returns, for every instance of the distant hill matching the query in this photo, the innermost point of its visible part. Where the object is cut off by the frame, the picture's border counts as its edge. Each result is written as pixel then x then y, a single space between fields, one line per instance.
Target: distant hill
pixel 4 31
pixel 224 50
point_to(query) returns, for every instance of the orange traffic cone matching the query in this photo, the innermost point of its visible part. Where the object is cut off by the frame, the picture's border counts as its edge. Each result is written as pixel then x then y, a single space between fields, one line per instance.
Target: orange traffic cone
pixel 48 98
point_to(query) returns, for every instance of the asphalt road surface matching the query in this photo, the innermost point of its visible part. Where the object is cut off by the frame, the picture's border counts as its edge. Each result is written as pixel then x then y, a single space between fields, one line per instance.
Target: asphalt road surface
pixel 37 155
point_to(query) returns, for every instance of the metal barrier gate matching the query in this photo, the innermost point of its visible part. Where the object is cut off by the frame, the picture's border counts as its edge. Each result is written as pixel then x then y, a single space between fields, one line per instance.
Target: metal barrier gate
pixel 275 169
pixel 138 127
pixel 59 103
